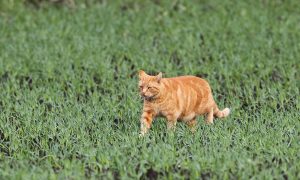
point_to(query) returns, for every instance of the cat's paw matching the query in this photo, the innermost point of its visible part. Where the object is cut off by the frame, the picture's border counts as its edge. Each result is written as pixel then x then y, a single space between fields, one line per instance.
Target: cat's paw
pixel 141 135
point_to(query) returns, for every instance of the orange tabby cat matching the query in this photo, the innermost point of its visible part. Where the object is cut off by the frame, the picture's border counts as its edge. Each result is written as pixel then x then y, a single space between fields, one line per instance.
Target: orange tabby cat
pixel 179 98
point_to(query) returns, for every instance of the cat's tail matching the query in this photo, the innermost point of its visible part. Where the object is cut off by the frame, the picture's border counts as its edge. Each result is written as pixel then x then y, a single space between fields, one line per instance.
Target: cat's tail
pixel 221 114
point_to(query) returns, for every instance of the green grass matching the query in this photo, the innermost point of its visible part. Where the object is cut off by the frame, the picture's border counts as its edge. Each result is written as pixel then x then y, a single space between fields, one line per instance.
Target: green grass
pixel 69 105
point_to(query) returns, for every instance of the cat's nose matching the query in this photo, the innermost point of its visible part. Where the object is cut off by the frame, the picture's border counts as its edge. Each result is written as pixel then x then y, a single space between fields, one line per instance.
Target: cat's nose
pixel 144 91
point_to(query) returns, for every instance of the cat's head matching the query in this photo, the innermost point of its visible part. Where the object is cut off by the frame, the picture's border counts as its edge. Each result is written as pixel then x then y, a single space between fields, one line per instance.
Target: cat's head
pixel 149 86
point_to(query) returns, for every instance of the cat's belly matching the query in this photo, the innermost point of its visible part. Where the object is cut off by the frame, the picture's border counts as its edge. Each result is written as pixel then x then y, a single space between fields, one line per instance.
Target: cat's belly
pixel 187 117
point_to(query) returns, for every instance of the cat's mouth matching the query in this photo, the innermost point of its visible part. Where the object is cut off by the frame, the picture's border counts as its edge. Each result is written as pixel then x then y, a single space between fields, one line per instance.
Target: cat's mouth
pixel 149 98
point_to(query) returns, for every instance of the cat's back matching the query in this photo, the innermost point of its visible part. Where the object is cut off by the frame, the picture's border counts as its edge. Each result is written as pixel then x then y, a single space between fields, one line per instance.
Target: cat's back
pixel 187 83
pixel 185 78
pixel 188 80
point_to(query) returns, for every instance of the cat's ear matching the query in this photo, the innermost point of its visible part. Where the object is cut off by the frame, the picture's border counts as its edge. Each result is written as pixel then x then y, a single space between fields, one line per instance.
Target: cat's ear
pixel 158 77
pixel 141 73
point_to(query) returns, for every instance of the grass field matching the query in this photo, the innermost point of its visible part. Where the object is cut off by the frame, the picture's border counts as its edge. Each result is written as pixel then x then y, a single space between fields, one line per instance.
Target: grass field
pixel 69 104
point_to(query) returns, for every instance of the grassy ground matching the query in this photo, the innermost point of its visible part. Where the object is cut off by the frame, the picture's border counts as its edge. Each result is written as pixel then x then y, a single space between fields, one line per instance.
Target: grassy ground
pixel 69 106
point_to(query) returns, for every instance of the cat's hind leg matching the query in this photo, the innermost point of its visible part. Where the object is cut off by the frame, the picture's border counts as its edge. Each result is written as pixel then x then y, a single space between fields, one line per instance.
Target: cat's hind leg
pixel 192 124
pixel 171 125
pixel 209 119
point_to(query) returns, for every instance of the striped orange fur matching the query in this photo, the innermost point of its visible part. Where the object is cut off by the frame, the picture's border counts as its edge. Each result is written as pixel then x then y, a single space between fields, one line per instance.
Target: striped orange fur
pixel 178 98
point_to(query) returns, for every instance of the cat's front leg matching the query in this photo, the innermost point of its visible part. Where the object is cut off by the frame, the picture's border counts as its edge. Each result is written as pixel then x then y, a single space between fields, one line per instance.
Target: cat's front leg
pixel 146 121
